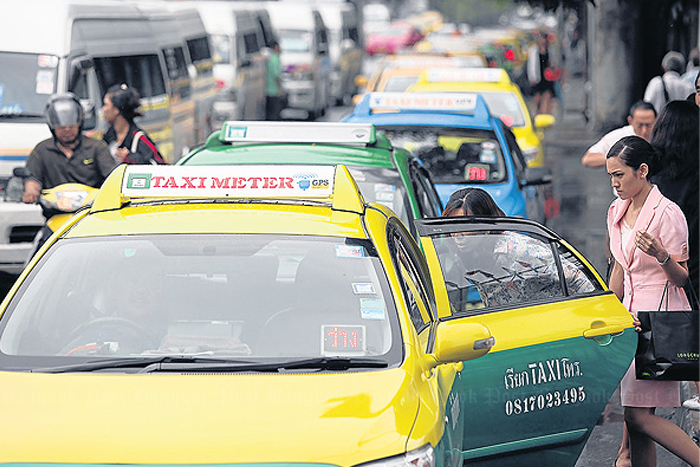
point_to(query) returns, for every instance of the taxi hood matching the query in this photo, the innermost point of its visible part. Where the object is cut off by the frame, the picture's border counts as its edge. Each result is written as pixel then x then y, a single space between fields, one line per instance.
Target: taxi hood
pixel 340 418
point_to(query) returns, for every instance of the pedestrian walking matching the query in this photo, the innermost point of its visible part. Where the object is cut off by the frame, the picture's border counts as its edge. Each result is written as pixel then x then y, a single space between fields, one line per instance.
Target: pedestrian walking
pixel 640 121
pixel 649 243
pixel 668 87
pixel 542 75
pixel 275 97
pixel 127 142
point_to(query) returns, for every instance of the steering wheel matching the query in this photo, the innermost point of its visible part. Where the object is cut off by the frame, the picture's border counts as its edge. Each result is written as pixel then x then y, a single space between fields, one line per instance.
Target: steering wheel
pixel 135 332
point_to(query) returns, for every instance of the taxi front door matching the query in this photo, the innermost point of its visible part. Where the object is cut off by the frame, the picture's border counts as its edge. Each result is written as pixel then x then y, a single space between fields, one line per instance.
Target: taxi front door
pixel 563 342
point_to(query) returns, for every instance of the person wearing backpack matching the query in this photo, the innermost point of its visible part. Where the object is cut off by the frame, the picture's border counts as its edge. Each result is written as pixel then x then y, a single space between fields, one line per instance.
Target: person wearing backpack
pixel 127 143
pixel 668 87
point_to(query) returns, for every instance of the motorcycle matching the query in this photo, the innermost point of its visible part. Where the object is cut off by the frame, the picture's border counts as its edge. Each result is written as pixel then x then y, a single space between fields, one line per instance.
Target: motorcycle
pixel 58 203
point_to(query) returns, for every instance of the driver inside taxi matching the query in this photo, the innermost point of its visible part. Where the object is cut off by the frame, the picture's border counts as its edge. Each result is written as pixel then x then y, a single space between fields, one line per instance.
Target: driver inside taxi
pixel 134 318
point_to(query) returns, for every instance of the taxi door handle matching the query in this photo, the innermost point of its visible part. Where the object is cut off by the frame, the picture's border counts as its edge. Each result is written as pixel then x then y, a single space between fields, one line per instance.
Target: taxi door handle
pixel 601 328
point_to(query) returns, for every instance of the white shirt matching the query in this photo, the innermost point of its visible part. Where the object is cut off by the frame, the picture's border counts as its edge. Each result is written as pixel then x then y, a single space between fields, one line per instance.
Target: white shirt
pixel 677 89
pixel 607 141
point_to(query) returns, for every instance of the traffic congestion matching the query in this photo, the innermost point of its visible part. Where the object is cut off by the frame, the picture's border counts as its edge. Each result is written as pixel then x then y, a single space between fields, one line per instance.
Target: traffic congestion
pixel 325 232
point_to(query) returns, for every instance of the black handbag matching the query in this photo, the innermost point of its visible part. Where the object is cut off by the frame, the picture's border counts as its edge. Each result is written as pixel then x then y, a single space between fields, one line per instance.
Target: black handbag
pixel 667 346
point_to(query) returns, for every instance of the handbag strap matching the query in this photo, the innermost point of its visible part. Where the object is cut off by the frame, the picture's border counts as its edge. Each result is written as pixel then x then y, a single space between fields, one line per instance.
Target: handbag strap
pixel 665 294
pixel 135 141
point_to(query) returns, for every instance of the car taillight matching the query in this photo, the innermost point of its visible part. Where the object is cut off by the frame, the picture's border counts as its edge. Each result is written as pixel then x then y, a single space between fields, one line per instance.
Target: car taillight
pixel 220 84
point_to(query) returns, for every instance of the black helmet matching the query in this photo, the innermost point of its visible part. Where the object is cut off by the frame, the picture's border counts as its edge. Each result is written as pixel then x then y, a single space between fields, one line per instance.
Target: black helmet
pixel 63 109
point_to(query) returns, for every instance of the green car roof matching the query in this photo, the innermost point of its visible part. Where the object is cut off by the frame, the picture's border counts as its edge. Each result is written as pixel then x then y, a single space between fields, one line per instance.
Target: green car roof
pixel 215 152
pixel 381 154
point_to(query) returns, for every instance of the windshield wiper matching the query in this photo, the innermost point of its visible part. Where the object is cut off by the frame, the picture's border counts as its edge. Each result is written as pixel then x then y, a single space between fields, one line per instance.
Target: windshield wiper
pixel 180 363
pixel 322 363
pixel 134 362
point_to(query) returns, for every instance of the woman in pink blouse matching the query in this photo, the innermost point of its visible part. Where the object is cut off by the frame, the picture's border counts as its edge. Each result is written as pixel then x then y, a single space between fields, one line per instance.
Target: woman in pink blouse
pixel 649 243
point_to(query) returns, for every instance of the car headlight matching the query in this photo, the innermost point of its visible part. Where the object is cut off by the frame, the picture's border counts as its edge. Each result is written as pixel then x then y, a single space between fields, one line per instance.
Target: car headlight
pixel 421 457
pixel 531 154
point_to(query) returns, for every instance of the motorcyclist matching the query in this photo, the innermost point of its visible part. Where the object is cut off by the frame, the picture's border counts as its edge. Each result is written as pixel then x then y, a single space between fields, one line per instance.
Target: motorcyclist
pixel 68 156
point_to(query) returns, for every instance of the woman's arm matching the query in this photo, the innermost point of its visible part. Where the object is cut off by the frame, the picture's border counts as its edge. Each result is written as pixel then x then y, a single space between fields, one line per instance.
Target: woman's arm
pixel 676 273
pixel 616 280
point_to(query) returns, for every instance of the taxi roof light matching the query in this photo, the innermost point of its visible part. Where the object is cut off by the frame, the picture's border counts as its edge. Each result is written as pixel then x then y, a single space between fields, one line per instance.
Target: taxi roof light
pixel 317 184
pixel 455 102
pixel 469 75
pixel 362 134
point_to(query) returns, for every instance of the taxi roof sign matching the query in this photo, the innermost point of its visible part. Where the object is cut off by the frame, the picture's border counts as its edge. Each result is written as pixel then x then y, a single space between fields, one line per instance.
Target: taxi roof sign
pixel 470 75
pixel 455 102
pixel 234 181
pixel 428 61
pixel 297 132
pixel 325 184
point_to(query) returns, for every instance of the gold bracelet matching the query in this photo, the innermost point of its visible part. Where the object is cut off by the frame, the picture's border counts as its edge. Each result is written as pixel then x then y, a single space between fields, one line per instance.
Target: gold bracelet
pixel 668 258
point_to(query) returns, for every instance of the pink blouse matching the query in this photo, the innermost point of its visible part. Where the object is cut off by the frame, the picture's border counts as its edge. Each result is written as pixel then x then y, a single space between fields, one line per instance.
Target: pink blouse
pixel 644 278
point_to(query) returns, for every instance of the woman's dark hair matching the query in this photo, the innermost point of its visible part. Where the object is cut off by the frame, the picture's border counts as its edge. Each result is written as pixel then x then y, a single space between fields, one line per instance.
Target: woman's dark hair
pixel 475 200
pixel 635 151
pixel 126 99
pixel 675 139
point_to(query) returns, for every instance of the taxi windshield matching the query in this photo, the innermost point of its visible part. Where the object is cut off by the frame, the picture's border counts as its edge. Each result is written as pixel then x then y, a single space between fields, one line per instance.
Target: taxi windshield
pixel 27 82
pixel 453 155
pixel 246 297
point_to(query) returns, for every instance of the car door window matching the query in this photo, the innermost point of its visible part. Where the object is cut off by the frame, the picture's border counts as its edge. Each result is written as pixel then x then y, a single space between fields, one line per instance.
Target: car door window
pixel 415 286
pixel 489 271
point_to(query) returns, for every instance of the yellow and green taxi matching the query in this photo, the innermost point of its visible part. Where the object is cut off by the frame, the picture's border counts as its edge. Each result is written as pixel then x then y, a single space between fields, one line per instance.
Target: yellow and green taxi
pixel 268 316
pixel 503 98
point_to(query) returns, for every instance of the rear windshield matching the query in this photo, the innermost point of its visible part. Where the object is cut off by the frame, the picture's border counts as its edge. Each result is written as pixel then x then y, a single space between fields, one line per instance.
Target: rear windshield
pixel 398 83
pixel 505 106
pixel 252 296
pixel 142 72
pixel 453 155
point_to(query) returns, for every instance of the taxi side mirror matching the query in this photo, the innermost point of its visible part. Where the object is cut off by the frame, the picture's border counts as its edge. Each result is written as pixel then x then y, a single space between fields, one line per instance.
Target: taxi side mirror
pixel 543 121
pixel 360 81
pixel 457 341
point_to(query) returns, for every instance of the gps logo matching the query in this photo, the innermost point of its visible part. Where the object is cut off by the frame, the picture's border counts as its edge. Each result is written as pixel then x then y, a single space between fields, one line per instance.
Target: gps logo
pixel 304 180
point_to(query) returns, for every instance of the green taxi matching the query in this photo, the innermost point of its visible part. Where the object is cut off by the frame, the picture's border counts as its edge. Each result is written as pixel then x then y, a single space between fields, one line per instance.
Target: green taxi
pixel 388 175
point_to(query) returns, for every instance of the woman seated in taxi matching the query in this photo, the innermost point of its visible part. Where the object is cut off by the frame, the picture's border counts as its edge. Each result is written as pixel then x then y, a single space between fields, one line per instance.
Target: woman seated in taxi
pixel 520 269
